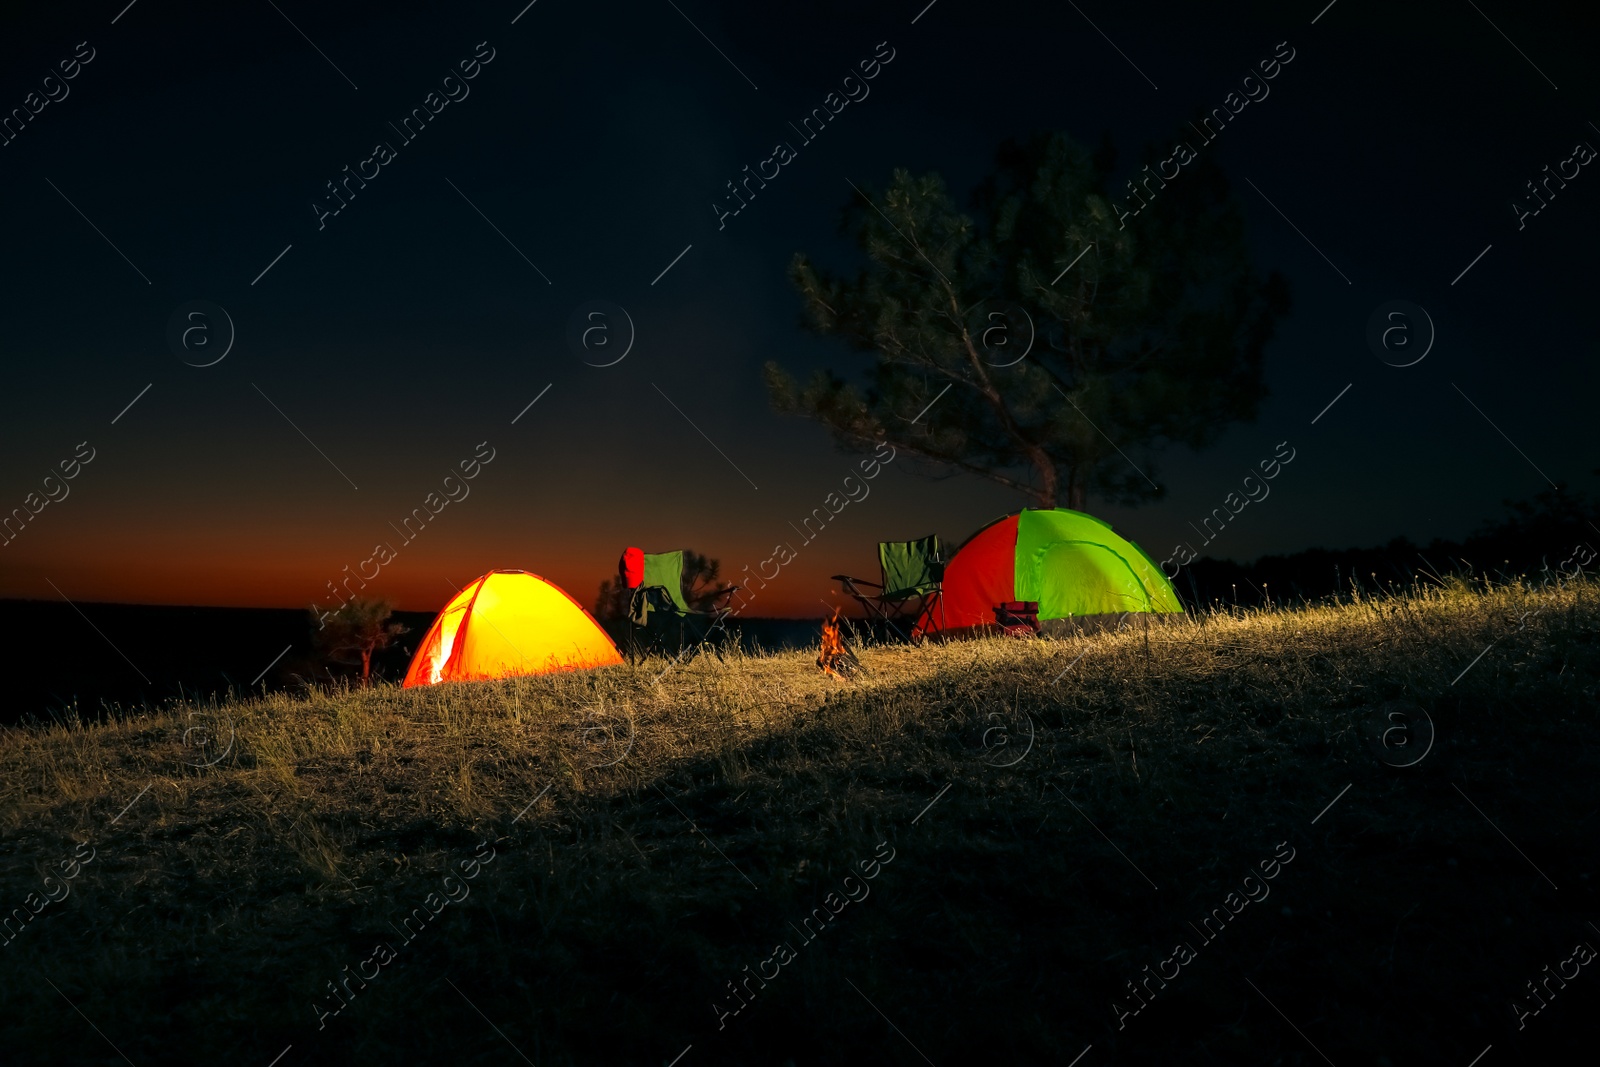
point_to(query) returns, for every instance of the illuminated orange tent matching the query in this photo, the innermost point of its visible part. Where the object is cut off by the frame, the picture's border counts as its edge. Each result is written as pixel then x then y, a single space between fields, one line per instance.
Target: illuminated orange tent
pixel 505 624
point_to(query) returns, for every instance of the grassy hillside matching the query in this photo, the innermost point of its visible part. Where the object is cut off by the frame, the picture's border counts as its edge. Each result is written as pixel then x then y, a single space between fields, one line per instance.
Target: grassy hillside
pixel 968 856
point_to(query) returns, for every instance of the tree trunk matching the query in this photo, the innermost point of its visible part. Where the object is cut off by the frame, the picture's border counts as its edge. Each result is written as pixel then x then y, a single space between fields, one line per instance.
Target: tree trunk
pixel 1076 490
pixel 1049 480
pixel 366 664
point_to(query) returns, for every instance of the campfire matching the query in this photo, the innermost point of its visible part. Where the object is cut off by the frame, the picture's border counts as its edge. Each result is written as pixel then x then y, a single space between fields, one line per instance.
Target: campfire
pixel 835 659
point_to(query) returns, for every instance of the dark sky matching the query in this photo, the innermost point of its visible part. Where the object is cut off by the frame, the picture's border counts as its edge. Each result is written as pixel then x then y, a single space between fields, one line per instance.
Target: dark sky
pixel 377 352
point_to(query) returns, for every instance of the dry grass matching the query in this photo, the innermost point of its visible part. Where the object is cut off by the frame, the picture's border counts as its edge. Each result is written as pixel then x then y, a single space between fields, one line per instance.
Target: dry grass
pixel 670 831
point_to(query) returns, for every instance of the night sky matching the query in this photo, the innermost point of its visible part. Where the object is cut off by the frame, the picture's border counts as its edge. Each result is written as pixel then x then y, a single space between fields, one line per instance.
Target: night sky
pixel 375 349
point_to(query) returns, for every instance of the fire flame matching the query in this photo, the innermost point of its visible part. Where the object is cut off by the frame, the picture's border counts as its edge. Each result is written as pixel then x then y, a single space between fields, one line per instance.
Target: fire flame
pixel 835 659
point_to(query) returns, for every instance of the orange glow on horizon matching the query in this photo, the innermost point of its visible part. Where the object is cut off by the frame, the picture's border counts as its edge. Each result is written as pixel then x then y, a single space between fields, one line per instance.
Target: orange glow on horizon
pixel 427 585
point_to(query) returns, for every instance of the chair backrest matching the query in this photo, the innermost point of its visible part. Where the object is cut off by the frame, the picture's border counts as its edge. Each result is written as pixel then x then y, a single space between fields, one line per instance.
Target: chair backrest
pixel 910 568
pixel 665 570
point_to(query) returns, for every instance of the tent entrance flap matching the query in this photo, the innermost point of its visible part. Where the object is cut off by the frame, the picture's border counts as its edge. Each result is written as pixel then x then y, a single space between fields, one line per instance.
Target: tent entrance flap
pixel 444 642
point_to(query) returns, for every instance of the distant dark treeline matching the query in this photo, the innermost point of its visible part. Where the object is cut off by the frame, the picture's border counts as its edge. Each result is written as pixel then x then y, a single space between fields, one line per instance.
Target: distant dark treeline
pixel 1537 538
pixel 88 656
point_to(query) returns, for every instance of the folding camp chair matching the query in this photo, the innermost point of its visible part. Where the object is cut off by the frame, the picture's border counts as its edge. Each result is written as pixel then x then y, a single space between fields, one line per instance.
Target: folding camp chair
pixel 913 573
pixel 658 607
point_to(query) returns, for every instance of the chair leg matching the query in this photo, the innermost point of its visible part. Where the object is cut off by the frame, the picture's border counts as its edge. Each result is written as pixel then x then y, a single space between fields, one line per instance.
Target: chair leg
pixel 925 614
pixel 887 618
pixel 922 613
pixel 696 630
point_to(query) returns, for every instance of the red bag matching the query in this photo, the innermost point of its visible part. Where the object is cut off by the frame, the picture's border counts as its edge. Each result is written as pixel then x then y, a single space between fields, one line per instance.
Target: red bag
pixel 631 567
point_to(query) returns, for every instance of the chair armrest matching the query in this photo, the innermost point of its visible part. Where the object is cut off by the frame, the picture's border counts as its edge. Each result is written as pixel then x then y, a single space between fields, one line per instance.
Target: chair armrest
pixel 851 582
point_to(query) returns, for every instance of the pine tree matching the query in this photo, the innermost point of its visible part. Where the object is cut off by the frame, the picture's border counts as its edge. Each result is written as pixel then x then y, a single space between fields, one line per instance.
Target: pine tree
pixel 353 633
pixel 1049 344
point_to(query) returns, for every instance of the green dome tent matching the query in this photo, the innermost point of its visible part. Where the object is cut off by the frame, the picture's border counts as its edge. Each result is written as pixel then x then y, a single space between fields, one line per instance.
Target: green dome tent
pixel 1072 565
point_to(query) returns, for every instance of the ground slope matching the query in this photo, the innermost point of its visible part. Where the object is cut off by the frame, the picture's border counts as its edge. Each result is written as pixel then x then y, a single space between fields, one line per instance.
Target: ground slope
pixel 973 854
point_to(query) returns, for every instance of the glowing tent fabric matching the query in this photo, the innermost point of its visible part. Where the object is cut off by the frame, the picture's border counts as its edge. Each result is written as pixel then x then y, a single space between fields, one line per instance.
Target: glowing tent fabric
pixel 981 575
pixel 509 623
pixel 1074 564
pixel 1071 564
